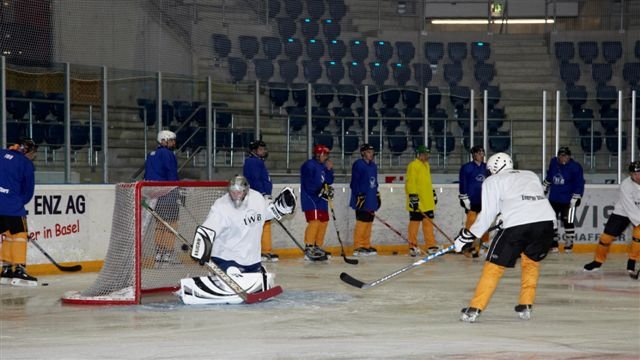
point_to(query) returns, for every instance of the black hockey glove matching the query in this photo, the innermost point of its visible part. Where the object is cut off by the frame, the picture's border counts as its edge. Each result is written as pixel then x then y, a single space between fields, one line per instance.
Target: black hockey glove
pixel 379 200
pixel 545 186
pixel 430 214
pixel 435 197
pixel 360 201
pixel 414 202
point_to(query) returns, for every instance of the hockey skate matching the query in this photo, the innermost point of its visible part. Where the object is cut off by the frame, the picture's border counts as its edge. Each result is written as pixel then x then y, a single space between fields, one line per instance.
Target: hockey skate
pixel 414 251
pixel 361 251
pixel 314 253
pixel 433 249
pixel 372 251
pixel 21 278
pixel 524 311
pixel 592 266
pixel 269 257
pixel 7 275
pixel 470 314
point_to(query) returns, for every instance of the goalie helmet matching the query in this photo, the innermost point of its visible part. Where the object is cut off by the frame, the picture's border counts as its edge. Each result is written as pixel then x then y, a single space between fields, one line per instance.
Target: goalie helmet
pixel 634 166
pixel 166 135
pixel 498 162
pixel 238 189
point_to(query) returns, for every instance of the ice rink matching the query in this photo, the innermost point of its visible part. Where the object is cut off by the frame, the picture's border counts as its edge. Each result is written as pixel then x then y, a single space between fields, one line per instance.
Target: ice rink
pixel 577 315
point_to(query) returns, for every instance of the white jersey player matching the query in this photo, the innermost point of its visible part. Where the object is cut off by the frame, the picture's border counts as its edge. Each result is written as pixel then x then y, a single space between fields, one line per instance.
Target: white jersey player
pixel 526 233
pixel 230 238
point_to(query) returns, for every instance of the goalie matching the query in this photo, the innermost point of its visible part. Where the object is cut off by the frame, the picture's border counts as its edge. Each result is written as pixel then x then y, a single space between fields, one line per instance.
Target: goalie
pixel 230 238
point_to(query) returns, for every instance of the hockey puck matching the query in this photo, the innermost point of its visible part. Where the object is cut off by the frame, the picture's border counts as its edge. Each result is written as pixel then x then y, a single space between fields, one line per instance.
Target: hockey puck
pixel 394 253
pixel 185 247
pixel 45 284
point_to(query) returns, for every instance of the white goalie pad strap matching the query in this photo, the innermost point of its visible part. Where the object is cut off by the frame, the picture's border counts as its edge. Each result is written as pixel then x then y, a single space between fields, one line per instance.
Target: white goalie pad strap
pixel 202 244
pixel 210 290
pixel 284 203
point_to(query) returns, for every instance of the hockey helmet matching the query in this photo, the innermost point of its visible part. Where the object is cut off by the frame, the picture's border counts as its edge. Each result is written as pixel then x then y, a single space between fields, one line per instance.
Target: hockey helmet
pixel 498 162
pixel 564 151
pixel 166 135
pixel 365 147
pixel 476 149
pixel 634 166
pixel 421 149
pixel 321 149
pixel 255 144
pixel 238 189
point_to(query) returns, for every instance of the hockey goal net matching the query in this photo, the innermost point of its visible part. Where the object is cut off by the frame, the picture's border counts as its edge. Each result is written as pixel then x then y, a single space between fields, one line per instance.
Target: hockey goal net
pixel 143 256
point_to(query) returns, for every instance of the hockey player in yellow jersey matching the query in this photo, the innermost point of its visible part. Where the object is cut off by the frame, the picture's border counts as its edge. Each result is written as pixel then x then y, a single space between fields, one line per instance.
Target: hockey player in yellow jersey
pixel 421 201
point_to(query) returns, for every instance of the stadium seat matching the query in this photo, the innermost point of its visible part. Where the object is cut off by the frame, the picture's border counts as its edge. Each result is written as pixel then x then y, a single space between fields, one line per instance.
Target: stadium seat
pixel 288 70
pixel 459 96
pixel 484 74
pixel 453 73
pixel 57 108
pixel 589 148
pixel 611 51
pixel 344 117
pixel 437 120
pixel 631 73
pixel 320 118
pixel 422 74
pixel 286 27
pixel 334 70
pixel 609 119
pixel 323 138
pixel 445 143
pixel 373 95
pixel 331 29
pixel 16 130
pixel 221 45
pixel 96 138
pixel 391 119
pixel 312 70
pixel 182 110
pixel 569 73
pixel 405 51
pixel 309 28
pixel 278 94
pixel 390 96
pixel 434 97
pixel 249 46
pixel 433 52
pixel 601 73
pixel 583 120
pixel 611 142
pixel 237 69
pixel 576 97
pixel 411 96
pixel 324 94
pixel 588 51
pixel 401 73
pixel 271 46
pixel 350 143
pixel 383 51
pixel 376 141
pixel 606 96
pixel 314 49
pixel 264 69
pixel 466 141
pixel 292 48
pixel 336 49
pixel 373 117
pixel 297 117
pixel 495 119
pixel 359 50
pixel 357 72
pixel 315 9
pixel 337 9
pixel 274 9
pixel 418 140
pixel 347 95
pixel 54 136
pixel 293 8
pixel 79 135
pixel 299 94
pixel 499 141
pixel 39 109
pixel 222 118
pixel 493 96
pixel 379 72
pixel 17 108
pixel 147 108
pixel 480 51
pixel 414 118
pixel 397 142
pixel 457 51
pixel 564 51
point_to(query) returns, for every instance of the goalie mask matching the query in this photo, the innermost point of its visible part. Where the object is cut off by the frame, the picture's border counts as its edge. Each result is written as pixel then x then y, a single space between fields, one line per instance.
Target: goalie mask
pixel 238 190
pixel 498 162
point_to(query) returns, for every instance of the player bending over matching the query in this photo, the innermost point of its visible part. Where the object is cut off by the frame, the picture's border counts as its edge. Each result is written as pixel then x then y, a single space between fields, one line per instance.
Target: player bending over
pixel 230 238
pixel 527 233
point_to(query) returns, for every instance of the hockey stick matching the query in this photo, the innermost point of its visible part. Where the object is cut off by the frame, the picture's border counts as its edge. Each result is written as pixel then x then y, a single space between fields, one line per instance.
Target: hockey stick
pixel 311 256
pixel 333 215
pixel 397 232
pixel 636 275
pixel 247 298
pixel 72 268
pixel 362 285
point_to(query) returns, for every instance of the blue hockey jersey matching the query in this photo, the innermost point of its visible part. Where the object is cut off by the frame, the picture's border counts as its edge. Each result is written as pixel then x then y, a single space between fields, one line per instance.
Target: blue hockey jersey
pixel 565 180
pixel 313 174
pixel 17 182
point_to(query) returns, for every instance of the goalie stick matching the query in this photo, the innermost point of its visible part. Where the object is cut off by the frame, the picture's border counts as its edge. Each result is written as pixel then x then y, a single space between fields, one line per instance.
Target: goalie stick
pixel 311 256
pixel 72 268
pixel 247 298
pixel 346 259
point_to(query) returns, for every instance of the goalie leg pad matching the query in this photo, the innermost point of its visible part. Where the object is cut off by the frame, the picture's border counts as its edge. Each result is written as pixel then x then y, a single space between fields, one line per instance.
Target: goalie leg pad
pixel 211 290
pixel 202 244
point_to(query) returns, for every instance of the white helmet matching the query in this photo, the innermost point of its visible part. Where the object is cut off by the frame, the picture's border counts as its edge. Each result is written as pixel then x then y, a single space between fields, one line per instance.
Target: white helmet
pixel 166 135
pixel 238 189
pixel 498 162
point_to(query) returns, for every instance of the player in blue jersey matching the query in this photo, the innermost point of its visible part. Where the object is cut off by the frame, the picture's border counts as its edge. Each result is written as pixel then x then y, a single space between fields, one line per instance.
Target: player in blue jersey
pixel 255 171
pixel 17 185
pixel 564 184
pixel 316 177
pixel 365 200
pixel 470 179
pixel 161 164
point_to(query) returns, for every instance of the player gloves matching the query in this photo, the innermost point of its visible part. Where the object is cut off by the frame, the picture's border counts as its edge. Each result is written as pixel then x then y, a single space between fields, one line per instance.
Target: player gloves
pixel 360 201
pixel 546 185
pixel 435 197
pixel 326 192
pixel 464 240
pixel 379 200
pixel 414 202
pixel 575 200
pixel 430 214
pixel 464 201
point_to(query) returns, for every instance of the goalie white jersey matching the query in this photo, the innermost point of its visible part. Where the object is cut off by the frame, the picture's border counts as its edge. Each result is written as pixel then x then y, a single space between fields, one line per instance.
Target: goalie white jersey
pixel 629 203
pixel 238 230
pixel 517 195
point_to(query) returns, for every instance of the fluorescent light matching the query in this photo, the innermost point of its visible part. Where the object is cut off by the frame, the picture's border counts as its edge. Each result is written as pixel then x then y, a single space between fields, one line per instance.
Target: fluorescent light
pixel 495 21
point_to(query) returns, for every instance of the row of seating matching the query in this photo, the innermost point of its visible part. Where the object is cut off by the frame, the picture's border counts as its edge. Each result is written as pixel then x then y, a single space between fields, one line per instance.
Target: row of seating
pixel 315 9
pixel 43 106
pixel 181 111
pixel 588 51
pixel 52 134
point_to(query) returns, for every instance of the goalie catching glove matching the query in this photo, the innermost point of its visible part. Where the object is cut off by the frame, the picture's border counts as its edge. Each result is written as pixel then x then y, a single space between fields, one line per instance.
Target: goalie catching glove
pixel 464 240
pixel 202 244
pixel 284 203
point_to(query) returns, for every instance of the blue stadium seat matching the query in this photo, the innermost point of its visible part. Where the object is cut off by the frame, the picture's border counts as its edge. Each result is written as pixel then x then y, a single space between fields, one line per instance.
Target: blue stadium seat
pixel 374 117
pixel 583 120
pixel 278 94
pixel 495 119
pixel 54 136
pixel 433 52
pixel 334 71
pixel 453 73
pixel 459 96
pixel 274 9
pixel 405 51
pixel 391 119
pixel 337 9
pixel 390 96
pixel 271 46
pixel 418 140
pixel 299 94
pixel 324 94
pixel 182 110
pixel 609 119
pixel 309 28
pixel 293 8
pixel 297 117
pixel 359 50
pixel 288 70
pixel 17 108
pixel 373 96
pixel 323 138
pixel 445 143
pixel 588 51
pixel 437 120
pixel 96 138
pixel 376 141
pixel 379 72
pixel 237 69
pixel 315 9
pixel 39 109
pixel 434 97
pixel 286 27
pixel 383 51
pixel 249 46
pixel 312 70
pixel 336 49
pixel 611 51
pixel 315 49
pixel 79 135
pixel 397 142
pixel 357 72
pixel 499 141
pixel 147 106
pixel 422 74
pixel 564 51
pixel 457 51
pixel 611 143
pixel 320 118
pixel 292 48
pixel 331 29
pixel 221 45
pixel 16 130
pixel 466 141
pixel 344 116
pixel 401 73
pixel 56 109
pixel 414 118
pixel 601 73
pixel 484 73
pixel 480 51
pixel 576 96
pixel 347 95
pixel 569 73
pixel 606 96
pixel 411 96
pixel 631 73
pixel 587 147
pixel 264 69
pixel 350 142
pixel 493 96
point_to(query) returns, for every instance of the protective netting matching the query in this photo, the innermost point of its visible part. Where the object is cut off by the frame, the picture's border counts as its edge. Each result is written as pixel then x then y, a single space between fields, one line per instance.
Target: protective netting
pixel 152 259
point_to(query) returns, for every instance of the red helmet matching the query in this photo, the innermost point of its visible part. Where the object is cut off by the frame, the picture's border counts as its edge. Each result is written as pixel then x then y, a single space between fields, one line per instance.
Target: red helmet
pixel 320 149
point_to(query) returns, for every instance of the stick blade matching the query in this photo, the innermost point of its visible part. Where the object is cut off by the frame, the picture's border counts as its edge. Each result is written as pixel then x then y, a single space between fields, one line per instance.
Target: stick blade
pixel 72 268
pixel 350 261
pixel 351 280
pixel 263 295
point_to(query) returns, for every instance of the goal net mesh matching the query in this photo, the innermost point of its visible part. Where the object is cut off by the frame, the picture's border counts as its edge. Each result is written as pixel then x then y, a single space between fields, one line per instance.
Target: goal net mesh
pixel 143 255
